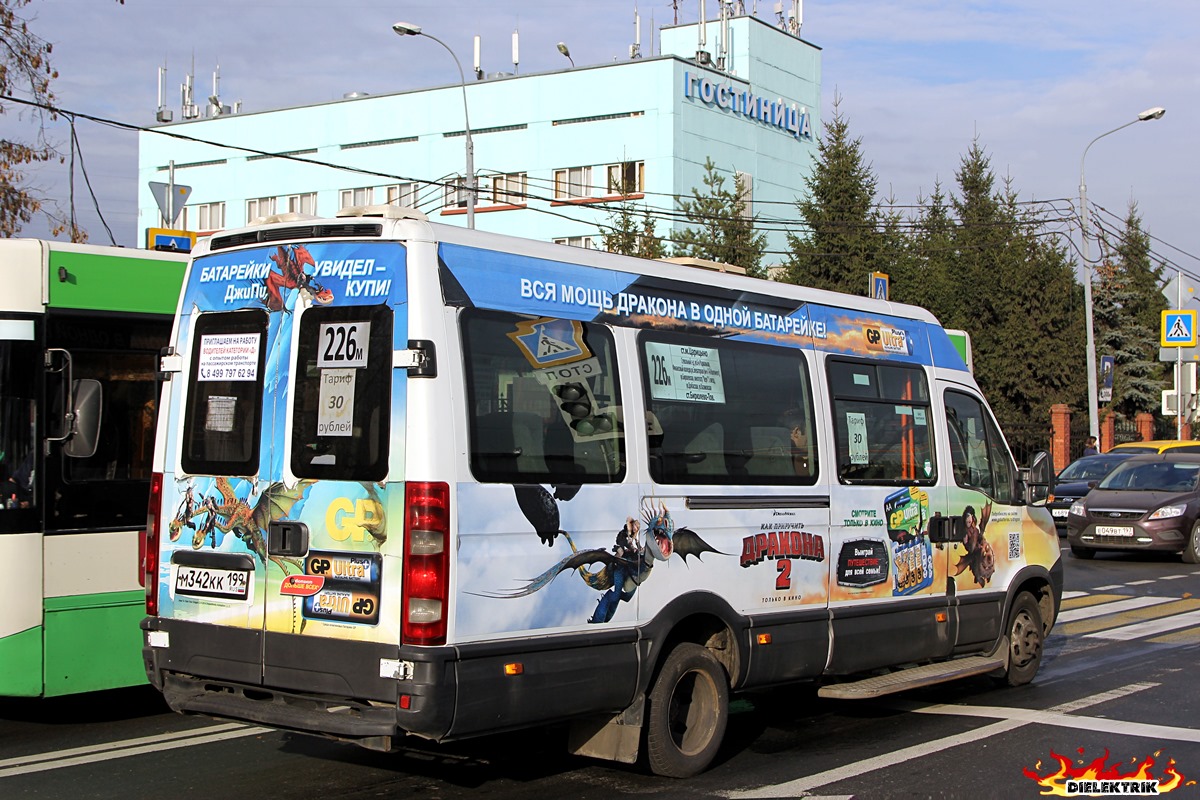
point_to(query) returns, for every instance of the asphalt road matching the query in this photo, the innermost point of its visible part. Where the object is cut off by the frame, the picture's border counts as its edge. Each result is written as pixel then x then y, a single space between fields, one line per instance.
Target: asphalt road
pixel 1116 683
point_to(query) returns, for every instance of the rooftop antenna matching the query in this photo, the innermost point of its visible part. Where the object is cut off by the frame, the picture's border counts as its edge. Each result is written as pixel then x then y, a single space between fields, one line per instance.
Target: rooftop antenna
pixel 797 17
pixel 516 50
pixel 635 49
pixel 478 68
pixel 702 55
pixel 215 109
pixel 723 50
pixel 190 111
pixel 163 114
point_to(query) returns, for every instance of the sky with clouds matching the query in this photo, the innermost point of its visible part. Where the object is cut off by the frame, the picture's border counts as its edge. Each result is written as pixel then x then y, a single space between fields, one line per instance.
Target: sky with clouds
pixel 919 81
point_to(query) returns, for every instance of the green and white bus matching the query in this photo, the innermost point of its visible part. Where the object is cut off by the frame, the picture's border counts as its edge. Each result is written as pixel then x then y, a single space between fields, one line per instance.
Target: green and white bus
pixel 81 328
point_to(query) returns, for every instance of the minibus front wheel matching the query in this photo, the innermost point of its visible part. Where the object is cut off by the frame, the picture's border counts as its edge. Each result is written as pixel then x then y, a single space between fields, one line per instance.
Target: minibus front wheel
pixel 689 709
pixel 1025 636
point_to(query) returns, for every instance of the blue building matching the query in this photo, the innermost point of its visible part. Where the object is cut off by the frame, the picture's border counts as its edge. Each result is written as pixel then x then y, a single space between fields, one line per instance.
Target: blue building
pixel 554 152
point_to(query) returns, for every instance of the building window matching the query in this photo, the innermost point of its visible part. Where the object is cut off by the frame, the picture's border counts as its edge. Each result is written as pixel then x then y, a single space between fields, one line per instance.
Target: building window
pixel 573 182
pixel 586 242
pixel 402 194
pixel 259 207
pixel 509 189
pixel 204 217
pixel 302 203
pixel 456 193
pixel 363 196
pixel 628 177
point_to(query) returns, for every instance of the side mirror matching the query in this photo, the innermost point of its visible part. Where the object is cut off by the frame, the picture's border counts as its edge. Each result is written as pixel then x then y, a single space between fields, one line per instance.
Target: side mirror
pixel 87 400
pixel 1040 484
pixel 944 530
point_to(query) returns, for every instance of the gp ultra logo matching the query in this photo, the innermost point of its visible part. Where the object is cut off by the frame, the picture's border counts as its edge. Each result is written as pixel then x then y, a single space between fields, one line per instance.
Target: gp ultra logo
pixel 347 586
pixel 353 520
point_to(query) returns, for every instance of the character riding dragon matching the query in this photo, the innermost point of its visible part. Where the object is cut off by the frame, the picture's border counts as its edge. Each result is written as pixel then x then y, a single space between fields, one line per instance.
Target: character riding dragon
pixel 623 569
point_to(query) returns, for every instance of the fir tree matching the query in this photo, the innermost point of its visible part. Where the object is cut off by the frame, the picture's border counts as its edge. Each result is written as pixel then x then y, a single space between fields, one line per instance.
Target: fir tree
pixel 843 243
pixel 631 236
pixel 1126 307
pixel 723 230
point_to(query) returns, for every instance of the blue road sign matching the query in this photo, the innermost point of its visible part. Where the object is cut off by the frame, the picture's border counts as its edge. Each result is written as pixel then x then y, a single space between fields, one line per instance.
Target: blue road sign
pixel 1178 329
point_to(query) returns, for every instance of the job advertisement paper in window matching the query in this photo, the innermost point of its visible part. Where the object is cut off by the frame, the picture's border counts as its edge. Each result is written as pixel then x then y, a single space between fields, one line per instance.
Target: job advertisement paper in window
pixel 229 357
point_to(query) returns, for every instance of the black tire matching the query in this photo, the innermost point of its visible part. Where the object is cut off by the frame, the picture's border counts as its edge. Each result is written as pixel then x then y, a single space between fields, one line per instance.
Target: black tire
pixel 1082 552
pixel 689 708
pixel 1025 636
pixel 1191 551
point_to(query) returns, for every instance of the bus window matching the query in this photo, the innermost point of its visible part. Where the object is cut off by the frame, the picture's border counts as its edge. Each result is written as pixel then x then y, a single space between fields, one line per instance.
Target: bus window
pixel 19 359
pixel 982 461
pixel 544 398
pixel 342 403
pixel 727 412
pixel 881 423
pixel 223 415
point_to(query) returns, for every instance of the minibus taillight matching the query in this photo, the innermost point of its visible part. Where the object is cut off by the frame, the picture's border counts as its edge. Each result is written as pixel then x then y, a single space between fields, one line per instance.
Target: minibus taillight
pixel 426 562
pixel 149 545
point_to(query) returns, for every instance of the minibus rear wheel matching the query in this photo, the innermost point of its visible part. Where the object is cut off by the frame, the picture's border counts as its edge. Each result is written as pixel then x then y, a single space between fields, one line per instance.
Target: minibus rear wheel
pixel 689 708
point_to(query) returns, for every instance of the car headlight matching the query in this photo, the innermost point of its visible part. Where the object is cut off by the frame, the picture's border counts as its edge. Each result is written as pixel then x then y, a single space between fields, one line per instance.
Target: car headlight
pixel 1166 512
pixel 1077 509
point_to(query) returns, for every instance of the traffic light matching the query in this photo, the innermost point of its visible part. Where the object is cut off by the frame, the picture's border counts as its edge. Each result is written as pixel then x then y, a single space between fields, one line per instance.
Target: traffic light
pixel 578 406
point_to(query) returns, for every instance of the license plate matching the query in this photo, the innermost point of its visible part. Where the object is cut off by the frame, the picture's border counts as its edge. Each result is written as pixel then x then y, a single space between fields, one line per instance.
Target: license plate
pixel 232 584
pixel 1114 530
pixel 1060 512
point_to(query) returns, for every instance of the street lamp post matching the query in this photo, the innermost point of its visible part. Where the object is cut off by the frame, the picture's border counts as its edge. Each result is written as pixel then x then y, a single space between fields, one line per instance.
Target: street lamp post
pixel 1093 401
pixel 408 29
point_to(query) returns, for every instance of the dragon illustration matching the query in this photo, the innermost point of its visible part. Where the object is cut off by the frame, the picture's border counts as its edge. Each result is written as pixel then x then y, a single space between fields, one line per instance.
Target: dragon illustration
pixel 249 523
pixel 979 558
pixel 291 259
pixel 627 566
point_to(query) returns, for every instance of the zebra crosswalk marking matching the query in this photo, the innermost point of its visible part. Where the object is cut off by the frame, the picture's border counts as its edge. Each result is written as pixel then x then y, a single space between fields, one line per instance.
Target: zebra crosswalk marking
pixel 1103 608
pixel 1141 630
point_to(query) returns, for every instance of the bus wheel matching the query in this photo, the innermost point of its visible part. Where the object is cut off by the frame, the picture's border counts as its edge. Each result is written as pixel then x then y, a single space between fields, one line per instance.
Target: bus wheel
pixel 1025 634
pixel 689 707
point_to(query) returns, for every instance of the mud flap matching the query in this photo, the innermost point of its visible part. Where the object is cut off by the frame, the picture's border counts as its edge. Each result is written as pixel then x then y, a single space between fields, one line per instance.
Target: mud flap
pixel 612 738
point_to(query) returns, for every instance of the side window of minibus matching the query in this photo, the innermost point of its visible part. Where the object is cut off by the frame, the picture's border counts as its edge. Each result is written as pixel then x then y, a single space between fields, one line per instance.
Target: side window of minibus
pixel 341 406
pixel 882 422
pixel 981 461
pixel 223 414
pixel 724 412
pixel 544 400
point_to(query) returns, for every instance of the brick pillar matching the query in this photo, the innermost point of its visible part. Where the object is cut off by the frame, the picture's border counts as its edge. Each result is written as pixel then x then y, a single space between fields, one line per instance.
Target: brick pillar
pixel 1145 426
pixel 1060 435
pixel 1108 429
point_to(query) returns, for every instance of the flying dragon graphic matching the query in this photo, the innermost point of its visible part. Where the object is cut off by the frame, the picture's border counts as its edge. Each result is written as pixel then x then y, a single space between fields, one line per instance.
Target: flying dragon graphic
pixel 290 259
pixel 622 570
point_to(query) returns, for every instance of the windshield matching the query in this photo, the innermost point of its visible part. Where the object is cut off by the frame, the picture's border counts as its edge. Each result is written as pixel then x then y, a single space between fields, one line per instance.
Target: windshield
pixel 1089 469
pixel 1155 476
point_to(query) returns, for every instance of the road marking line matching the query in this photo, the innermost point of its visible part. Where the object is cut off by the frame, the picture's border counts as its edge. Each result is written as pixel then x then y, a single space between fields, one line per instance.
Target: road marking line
pixel 1115 607
pixel 1172 577
pixel 1139 583
pixel 1108 588
pixel 795 788
pixel 1149 628
pixel 1073 595
pixel 107 746
pixel 39 762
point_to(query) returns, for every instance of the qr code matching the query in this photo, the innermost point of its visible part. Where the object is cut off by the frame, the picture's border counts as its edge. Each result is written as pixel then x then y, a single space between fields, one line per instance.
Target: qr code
pixel 1014 545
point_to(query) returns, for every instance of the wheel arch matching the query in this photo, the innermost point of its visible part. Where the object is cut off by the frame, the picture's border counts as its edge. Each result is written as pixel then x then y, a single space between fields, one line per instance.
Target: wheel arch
pixel 700 618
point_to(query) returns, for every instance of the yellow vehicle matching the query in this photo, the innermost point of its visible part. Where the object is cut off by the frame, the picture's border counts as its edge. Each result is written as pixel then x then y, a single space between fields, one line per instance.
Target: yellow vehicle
pixel 1159 446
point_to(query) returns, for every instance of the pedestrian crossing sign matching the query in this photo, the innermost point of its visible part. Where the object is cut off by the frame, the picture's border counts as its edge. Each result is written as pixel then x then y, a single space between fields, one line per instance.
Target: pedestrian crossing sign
pixel 1178 329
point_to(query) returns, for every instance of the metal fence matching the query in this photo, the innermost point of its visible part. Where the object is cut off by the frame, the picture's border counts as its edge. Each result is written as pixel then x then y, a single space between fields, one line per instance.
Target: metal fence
pixel 1025 439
